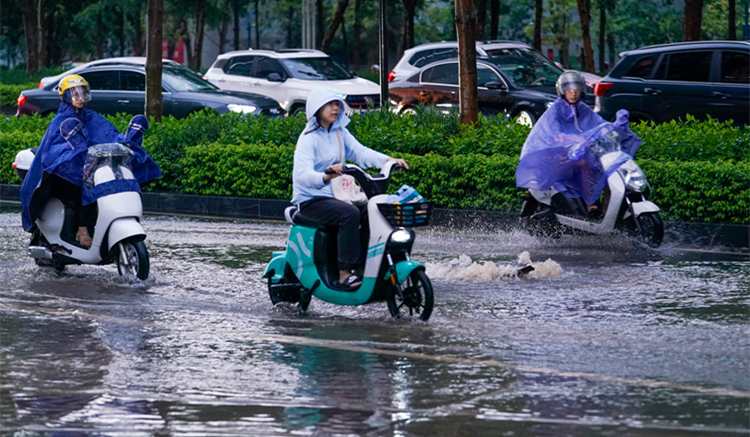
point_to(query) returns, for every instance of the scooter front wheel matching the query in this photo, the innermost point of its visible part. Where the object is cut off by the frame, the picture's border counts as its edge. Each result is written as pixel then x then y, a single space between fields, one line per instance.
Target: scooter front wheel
pixel 415 295
pixel 132 259
pixel 650 229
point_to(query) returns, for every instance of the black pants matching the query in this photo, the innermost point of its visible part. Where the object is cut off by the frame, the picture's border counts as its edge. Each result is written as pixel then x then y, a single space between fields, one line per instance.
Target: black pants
pixel 70 195
pixel 347 217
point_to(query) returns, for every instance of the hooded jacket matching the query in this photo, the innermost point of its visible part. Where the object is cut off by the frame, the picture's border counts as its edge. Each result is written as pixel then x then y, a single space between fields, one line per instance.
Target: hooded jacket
pixel 318 149
pixel 59 156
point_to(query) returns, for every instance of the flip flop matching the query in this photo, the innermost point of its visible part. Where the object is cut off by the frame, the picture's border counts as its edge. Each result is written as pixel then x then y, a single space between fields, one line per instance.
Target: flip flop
pixel 351 283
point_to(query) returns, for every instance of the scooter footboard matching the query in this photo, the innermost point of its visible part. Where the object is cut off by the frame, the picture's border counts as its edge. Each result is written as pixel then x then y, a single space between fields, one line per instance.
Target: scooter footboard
pixel 123 228
pixel 276 266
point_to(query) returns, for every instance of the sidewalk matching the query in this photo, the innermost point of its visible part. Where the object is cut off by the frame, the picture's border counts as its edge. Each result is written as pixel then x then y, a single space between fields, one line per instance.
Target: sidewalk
pixel 704 235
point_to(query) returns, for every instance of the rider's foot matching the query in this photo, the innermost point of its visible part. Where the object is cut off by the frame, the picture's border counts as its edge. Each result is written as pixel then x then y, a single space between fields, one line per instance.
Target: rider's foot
pixel 83 237
pixel 348 280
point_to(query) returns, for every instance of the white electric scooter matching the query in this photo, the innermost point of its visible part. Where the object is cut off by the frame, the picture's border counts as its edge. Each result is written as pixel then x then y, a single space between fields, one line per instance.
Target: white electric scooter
pixel 117 236
pixel 550 213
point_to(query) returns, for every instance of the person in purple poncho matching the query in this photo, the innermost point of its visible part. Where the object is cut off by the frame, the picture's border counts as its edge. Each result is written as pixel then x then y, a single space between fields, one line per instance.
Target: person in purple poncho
pixel 556 153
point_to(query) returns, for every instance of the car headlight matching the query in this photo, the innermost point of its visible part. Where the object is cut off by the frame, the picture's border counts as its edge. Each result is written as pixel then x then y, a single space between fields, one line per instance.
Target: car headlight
pixel 242 109
pixel 634 177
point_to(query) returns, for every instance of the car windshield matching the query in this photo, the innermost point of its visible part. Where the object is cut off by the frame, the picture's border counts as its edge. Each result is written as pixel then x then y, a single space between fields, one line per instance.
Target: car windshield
pixel 525 67
pixel 316 69
pixel 183 79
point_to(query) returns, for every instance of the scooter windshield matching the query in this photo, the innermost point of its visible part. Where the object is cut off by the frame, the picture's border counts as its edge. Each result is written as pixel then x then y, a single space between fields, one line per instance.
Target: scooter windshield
pixel 575 157
pixel 107 170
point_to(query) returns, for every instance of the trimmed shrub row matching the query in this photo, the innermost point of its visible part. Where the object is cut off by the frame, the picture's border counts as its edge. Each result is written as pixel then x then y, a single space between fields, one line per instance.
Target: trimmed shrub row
pixel 690 191
pixel 9 93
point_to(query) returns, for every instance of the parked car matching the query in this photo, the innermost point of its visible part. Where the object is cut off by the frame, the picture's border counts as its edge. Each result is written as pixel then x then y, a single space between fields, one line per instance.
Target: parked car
pixel 289 76
pixel 120 86
pixel 417 57
pixel 516 85
pixel 669 81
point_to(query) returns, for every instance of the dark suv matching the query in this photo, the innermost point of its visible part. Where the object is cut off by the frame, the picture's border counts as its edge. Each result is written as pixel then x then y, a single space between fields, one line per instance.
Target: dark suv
pixel 666 82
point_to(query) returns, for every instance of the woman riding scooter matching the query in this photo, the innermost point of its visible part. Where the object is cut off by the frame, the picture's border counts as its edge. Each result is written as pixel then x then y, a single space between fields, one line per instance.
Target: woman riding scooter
pixel 57 169
pixel 554 154
pixel 318 150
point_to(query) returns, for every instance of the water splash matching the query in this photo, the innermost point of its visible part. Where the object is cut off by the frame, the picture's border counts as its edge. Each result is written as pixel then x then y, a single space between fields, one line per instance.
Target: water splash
pixel 464 268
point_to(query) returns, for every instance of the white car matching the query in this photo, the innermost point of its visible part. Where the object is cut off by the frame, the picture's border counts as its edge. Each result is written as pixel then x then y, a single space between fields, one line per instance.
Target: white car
pixel 417 57
pixel 289 76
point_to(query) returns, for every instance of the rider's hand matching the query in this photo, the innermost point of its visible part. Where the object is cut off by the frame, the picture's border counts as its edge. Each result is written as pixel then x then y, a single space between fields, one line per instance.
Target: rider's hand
pixel 400 162
pixel 333 171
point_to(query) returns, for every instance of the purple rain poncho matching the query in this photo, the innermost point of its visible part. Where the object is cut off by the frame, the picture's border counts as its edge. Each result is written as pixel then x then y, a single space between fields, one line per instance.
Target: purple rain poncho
pixel 556 153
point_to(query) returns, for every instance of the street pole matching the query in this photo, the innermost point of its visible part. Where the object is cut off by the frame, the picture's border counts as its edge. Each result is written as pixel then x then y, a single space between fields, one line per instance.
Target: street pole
pixel 383 39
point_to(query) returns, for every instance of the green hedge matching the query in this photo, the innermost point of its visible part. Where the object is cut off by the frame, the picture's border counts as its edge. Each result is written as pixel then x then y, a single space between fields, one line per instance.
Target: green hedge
pixel 699 170
pixel 9 93
pixel 691 191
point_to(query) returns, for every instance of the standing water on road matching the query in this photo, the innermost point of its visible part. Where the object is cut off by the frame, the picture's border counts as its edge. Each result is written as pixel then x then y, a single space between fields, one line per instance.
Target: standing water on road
pixel 602 338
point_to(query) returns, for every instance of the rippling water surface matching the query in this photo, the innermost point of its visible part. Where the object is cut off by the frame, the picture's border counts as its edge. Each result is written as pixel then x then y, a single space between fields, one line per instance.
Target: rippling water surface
pixel 603 339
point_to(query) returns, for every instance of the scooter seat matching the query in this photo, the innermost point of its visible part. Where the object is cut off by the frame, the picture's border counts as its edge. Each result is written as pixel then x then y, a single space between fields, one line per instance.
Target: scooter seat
pixel 295 217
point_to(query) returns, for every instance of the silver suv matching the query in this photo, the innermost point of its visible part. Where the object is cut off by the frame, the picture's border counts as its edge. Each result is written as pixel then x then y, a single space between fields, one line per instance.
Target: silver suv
pixel 289 76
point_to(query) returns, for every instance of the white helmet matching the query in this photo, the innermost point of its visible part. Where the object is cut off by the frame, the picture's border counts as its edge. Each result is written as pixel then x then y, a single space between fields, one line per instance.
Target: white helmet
pixel 571 80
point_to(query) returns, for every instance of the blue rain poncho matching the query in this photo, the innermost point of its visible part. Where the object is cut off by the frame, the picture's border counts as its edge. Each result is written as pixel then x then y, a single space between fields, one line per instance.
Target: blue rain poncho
pixel 557 152
pixel 65 157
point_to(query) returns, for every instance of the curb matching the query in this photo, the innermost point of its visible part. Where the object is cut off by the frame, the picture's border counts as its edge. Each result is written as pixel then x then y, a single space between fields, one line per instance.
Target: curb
pixel 704 235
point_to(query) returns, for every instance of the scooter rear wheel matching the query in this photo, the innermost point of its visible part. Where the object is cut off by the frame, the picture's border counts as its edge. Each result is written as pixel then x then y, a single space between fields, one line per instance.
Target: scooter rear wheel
pixel 416 296
pixel 132 259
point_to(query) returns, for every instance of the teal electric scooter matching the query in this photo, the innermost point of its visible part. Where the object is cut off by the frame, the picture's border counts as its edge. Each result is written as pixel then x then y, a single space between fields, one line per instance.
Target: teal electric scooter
pixel 308 267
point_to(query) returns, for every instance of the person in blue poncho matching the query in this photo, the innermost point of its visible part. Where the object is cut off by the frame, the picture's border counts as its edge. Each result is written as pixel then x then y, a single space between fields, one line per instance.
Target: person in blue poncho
pixel 556 155
pixel 57 169
pixel 322 145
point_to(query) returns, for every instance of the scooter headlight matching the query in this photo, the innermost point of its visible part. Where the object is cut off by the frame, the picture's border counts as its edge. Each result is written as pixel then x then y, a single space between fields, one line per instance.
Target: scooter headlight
pixel 634 177
pixel 401 238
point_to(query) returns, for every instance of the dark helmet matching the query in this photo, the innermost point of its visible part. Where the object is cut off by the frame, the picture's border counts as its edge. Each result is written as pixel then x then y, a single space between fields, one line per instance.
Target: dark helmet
pixel 571 80
pixel 74 85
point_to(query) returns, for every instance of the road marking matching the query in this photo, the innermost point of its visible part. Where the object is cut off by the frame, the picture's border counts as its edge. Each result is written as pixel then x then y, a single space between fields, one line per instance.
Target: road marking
pixel 343 346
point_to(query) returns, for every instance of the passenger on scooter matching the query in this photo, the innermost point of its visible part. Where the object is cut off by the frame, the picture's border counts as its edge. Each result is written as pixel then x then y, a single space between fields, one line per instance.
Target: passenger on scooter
pixel 554 154
pixel 57 169
pixel 318 149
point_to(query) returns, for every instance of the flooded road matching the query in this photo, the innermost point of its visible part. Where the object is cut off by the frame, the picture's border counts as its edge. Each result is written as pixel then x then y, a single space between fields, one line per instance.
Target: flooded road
pixel 603 339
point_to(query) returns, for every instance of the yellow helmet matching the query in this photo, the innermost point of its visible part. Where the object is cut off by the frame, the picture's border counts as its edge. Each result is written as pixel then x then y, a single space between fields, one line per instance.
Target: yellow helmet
pixel 74 86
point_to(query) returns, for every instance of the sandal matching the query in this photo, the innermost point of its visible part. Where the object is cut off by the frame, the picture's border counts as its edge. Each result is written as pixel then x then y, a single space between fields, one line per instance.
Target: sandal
pixel 351 283
pixel 84 239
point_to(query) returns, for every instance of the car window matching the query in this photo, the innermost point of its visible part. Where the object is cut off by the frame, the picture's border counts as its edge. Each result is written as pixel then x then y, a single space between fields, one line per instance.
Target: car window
pixel 642 67
pixel 240 66
pixel 525 67
pixel 423 58
pixel 182 79
pixel 265 66
pixel 485 74
pixel 132 81
pixel 685 67
pixel 443 73
pixel 102 80
pixel 315 69
pixel 735 67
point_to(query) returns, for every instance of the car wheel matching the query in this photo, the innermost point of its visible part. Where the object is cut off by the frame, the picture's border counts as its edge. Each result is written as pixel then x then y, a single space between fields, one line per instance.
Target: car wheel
pixel 525 118
pixel 409 110
pixel 297 110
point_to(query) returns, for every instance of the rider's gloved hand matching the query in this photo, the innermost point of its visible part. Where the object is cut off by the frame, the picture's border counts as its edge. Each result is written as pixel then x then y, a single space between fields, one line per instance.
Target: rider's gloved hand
pixel 72 130
pixel 137 127
pixel 623 117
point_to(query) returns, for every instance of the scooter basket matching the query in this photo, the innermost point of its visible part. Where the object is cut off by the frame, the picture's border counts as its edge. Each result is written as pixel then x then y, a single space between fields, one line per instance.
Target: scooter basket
pixel 408 215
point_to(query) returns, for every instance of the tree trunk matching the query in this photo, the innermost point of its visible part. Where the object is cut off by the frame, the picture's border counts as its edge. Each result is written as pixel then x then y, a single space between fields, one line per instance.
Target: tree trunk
pixel 257 27
pixel 602 34
pixel 693 20
pixel 467 61
pixel 42 48
pixel 290 26
pixel 121 31
pixel 236 13
pixel 611 47
pixel 410 8
pixel 538 4
pixel 584 14
pixel 494 18
pixel 356 36
pixel 337 18
pixel 29 29
pixel 154 105
pixel 320 25
pixel 481 18
pixel 138 46
pixel 100 32
pixel 200 22
pixel 732 18
pixel 223 30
